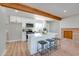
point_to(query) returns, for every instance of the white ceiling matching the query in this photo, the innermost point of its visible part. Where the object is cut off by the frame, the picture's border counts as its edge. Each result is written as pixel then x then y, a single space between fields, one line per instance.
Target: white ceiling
pixel 57 8
pixel 8 11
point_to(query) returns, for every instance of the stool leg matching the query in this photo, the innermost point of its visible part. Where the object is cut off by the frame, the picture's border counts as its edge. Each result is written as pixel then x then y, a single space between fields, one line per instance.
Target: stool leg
pixel 50 47
pixel 42 48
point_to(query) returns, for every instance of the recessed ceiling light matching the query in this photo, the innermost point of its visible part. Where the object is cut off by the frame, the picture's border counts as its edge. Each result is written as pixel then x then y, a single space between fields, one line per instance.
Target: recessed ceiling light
pixel 16 10
pixel 65 10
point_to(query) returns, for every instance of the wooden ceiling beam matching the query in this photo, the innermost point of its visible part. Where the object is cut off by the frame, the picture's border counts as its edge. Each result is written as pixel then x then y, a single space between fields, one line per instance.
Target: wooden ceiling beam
pixel 29 9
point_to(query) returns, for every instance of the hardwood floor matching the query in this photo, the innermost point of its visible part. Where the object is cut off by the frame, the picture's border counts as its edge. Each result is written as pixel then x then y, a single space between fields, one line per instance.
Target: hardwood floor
pixel 21 49
pixel 17 49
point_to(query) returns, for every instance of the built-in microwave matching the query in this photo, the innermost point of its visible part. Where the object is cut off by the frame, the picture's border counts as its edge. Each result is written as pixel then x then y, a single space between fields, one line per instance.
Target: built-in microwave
pixel 29 25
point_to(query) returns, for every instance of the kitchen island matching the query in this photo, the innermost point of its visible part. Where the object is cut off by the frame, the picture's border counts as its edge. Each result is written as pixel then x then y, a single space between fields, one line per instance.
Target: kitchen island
pixel 34 38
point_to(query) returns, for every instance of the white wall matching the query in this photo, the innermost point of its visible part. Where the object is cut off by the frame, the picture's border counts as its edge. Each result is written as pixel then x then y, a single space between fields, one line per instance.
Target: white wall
pixel 3 31
pixel 70 22
pixel 54 27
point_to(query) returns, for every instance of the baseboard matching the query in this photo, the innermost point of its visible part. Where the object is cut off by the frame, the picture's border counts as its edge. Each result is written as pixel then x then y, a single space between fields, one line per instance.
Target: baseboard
pixel 15 40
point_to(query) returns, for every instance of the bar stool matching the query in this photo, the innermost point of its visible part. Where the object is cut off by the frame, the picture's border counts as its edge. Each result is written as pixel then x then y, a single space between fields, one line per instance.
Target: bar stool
pixel 56 44
pixel 42 50
pixel 50 45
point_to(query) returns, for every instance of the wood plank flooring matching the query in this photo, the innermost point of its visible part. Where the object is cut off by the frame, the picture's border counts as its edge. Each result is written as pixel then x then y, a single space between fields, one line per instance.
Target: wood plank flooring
pixel 17 49
pixel 21 49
